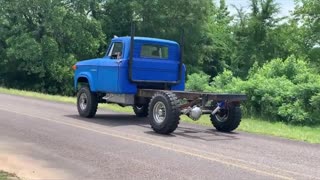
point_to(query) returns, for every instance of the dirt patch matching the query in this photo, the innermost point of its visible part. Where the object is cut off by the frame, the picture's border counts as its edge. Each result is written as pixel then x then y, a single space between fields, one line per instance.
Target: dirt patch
pixel 25 167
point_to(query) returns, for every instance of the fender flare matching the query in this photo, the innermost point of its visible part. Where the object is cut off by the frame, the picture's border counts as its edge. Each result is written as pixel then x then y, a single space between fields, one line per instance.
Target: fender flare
pixel 88 76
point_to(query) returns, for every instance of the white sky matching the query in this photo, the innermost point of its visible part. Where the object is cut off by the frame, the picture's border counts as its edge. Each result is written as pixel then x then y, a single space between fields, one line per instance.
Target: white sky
pixel 285 5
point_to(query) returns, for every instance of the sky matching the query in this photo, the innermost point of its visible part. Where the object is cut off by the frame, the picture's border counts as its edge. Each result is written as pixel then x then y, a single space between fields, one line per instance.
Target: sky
pixel 285 5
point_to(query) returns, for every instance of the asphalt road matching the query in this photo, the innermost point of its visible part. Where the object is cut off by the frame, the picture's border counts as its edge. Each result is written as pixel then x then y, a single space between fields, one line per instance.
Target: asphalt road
pixel 48 140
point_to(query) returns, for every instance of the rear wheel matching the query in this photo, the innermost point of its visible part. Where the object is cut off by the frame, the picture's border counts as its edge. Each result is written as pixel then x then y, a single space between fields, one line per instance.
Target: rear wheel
pixel 87 102
pixel 228 119
pixel 141 110
pixel 164 113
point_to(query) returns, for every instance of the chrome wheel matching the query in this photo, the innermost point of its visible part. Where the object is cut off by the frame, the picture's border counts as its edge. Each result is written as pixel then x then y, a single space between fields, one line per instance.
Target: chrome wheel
pixel 139 107
pixel 159 112
pixel 83 101
pixel 222 116
pixel 164 112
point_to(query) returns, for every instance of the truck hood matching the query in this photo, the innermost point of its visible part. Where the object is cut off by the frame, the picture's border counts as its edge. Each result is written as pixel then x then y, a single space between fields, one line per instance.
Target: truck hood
pixel 89 62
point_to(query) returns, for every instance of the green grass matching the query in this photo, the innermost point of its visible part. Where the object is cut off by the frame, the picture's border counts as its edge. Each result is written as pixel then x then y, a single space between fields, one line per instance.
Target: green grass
pixel 251 125
pixel 7 176
pixel 57 98
pixel 280 129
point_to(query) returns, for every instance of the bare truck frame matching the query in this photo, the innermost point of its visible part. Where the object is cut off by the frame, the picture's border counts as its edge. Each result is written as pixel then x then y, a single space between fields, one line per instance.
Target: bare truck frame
pixel 165 107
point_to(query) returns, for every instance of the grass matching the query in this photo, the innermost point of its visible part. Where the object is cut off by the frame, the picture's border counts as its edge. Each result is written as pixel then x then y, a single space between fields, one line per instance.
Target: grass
pixel 57 98
pixel 251 125
pixel 7 176
pixel 279 129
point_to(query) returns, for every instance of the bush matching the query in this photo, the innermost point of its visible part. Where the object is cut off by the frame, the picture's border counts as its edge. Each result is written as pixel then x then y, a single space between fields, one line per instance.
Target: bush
pixel 198 82
pixel 281 90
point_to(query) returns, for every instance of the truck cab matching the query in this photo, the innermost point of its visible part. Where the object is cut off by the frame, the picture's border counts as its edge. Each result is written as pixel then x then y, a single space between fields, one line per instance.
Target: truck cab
pixel 155 64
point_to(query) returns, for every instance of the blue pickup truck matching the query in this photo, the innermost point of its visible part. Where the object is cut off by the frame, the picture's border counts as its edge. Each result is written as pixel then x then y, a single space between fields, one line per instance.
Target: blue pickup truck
pixel 149 75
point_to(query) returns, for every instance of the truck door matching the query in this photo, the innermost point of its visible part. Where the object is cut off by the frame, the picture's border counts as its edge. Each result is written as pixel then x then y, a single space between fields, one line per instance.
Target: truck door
pixel 108 71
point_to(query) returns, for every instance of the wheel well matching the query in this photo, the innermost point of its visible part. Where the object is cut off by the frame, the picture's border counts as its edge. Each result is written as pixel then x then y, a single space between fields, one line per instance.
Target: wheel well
pixel 82 81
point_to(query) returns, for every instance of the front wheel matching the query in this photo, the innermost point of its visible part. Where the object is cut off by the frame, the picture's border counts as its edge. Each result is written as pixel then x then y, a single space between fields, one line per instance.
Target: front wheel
pixel 164 113
pixel 228 119
pixel 87 102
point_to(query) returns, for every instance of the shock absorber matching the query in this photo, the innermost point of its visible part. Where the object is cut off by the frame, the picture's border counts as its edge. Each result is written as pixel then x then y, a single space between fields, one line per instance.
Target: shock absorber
pixel 219 106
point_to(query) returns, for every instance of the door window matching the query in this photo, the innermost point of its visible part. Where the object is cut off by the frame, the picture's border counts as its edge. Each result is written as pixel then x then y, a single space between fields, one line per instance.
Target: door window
pixel 115 51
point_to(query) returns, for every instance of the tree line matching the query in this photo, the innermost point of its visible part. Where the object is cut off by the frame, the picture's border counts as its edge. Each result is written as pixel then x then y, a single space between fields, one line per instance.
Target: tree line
pixel 41 39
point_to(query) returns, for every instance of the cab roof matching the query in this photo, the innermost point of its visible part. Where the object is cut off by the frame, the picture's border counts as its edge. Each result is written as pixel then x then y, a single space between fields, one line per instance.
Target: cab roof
pixel 156 40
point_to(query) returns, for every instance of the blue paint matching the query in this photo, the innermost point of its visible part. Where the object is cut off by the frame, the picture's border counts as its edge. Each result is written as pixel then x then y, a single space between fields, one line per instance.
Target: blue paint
pixel 181 85
pixel 87 69
pixel 111 75
pixel 221 104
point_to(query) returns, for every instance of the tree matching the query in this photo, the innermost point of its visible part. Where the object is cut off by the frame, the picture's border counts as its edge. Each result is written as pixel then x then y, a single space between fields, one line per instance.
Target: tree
pixel 43 39
pixel 161 19
pixel 252 35
pixel 217 41
pixel 307 12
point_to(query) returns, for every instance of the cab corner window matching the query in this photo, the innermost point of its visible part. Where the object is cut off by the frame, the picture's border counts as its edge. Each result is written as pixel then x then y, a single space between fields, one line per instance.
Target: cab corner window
pixel 154 51
pixel 115 51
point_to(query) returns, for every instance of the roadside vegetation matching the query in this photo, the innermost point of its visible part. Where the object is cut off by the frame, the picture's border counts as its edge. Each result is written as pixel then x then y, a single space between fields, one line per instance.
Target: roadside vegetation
pixel 7 176
pixel 285 90
pixel 309 134
pixel 270 57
